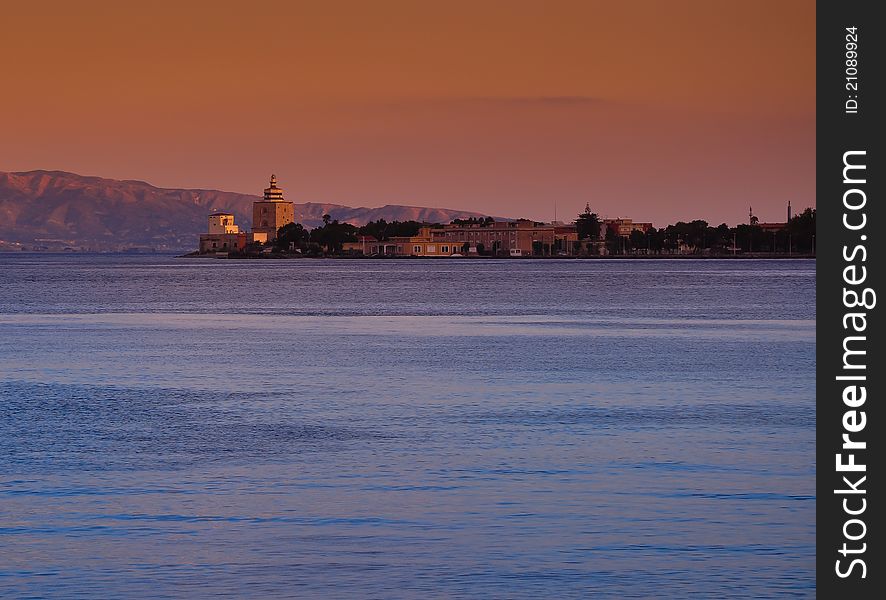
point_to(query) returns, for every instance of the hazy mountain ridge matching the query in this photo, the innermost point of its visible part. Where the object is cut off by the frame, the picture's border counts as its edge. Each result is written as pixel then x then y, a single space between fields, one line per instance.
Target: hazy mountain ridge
pixel 57 209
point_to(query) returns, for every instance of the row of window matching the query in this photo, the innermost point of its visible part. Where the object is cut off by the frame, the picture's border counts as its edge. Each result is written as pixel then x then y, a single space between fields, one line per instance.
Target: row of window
pixel 479 234
pixel 431 249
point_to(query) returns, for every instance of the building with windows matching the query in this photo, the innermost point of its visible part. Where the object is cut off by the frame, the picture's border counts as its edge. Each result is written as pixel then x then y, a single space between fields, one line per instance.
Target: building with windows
pixel 468 237
pixel 272 212
pixel 223 235
pixel 366 245
pixel 428 242
pixel 503 238
pixel 772 227
pixel 222 222
pixel 509 238
pixel 268 215
pixel 624 227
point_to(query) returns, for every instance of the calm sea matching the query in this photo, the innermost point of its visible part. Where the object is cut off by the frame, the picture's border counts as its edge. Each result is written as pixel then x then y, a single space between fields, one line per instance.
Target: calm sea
pixel 177 428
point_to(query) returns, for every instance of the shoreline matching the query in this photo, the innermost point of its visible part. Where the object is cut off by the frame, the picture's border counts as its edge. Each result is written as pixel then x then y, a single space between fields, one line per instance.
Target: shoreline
pixel 282 256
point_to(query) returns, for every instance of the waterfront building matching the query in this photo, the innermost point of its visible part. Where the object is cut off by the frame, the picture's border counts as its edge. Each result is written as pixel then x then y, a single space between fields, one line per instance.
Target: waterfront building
pixel 502 238
pixel 223 235
pixel 222 222
pixel 624 227
pixel 271 213
pixel 428 242
pixel 477 237
pixel 268 215
pixel 366 245
pixel 510 238
pixel 772 227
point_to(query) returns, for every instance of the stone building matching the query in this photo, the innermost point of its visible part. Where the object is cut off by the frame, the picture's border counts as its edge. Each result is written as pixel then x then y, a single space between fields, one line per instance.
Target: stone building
pixel 268 215
pixel 223 235
pixel 222 222
pixel 508 238
pixel 271 213
pixel 366 245
pixel 501 238
pixel 623 227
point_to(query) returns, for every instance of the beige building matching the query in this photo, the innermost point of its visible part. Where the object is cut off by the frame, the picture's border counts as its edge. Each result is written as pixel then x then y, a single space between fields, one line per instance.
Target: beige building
pixel 427 242
pixel 223 235
pixel 268 215
pixel 503 238
pixel 624 227
pixel 366 245
pixel 223 242
pixel 222 223
pixel 508 238
pixel 271 213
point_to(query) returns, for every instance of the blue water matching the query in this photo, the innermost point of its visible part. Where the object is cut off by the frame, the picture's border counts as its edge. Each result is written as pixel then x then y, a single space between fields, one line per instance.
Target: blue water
pixel 178 428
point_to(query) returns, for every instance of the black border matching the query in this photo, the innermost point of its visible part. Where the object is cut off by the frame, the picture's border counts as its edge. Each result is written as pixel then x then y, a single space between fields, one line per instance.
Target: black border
pixel 838 132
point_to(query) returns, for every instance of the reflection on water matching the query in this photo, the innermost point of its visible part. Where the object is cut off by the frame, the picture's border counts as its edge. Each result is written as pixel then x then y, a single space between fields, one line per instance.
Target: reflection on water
pixel 191 428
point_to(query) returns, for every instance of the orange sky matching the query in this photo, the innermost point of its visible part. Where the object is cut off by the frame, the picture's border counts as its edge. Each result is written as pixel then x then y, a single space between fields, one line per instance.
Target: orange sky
pixel 656 110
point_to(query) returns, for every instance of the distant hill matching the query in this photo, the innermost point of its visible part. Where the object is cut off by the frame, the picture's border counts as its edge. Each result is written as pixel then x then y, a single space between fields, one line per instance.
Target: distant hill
pixel 57 210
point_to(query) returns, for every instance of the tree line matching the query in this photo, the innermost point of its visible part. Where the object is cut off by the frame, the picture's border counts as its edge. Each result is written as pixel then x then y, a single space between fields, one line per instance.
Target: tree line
pixel 330 237
pixel 697 237
pixel 694 237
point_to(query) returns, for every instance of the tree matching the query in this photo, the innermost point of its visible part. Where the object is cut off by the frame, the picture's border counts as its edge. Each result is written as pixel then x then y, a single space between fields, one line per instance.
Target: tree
pixel 802 231
pixel 481 221
pixel 587 225
pixel 748 238
pixel 332 235
pixel 382 230
pixel 377 229
pixel 466 247
pixel 290 236
pixel 655 240
pixel 720 238
pixel 638 239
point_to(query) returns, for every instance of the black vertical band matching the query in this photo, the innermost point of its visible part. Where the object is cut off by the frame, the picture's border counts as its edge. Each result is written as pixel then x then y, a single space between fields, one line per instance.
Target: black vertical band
pixel 851 235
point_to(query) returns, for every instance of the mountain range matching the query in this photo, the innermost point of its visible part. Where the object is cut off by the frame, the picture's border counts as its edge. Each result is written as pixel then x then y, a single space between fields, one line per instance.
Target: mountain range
pixel 56 210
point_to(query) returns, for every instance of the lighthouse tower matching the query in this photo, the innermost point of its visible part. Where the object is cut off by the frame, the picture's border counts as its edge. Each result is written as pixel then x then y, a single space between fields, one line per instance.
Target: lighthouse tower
pixel 271 213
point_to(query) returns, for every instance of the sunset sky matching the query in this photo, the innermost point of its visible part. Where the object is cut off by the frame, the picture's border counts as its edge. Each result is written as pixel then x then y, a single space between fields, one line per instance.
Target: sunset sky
pixel 655 110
